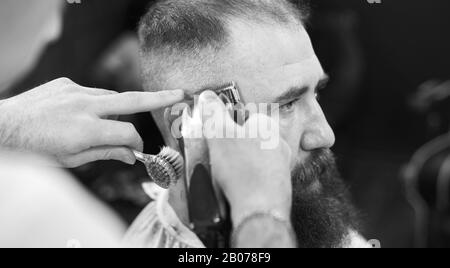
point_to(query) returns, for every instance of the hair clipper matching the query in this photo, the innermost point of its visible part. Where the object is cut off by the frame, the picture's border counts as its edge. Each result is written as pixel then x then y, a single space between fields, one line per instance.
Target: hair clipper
pixel 208 208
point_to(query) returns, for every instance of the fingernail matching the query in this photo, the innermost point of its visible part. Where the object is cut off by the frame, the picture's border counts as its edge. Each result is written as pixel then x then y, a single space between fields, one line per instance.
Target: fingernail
pixel 209 98
pixel 209 95
pixel 130 160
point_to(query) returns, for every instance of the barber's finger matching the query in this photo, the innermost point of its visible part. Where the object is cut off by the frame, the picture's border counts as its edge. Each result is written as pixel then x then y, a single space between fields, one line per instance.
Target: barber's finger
pixel 69 86
pixel 116 133
pixel 98 91
pixel 136 102
pixel 100 153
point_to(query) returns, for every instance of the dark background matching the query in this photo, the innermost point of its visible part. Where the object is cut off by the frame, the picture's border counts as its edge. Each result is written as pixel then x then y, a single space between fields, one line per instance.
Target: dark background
pixel 377 55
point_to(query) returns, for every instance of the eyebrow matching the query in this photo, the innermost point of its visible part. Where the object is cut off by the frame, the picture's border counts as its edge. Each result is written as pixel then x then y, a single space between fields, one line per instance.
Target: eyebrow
pixel 297 92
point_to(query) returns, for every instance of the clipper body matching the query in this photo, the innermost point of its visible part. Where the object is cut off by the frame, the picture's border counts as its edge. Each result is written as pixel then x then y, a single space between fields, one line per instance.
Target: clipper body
pixel 208 208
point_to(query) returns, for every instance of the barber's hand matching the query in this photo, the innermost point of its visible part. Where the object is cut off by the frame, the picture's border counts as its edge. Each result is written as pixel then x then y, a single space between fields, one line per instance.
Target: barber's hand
pixel 69 122
pixel 253 179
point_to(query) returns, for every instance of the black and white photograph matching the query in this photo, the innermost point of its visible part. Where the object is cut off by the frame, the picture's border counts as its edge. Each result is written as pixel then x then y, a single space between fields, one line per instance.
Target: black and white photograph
pixel 242 126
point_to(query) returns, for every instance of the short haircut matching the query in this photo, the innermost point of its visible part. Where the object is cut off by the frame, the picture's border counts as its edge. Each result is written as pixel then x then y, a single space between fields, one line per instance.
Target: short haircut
pixel 173 31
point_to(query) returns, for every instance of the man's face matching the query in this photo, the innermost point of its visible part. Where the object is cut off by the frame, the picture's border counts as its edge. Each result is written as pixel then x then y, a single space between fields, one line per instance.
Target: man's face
pixel 278 65
pixel 274 64
pixel 26 27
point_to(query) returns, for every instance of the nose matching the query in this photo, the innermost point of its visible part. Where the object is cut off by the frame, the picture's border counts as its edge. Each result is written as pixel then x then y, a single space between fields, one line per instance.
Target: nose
pixel 317 134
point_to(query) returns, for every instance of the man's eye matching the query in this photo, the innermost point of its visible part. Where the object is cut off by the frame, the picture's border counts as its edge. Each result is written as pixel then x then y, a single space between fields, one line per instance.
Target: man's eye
pixel 288 107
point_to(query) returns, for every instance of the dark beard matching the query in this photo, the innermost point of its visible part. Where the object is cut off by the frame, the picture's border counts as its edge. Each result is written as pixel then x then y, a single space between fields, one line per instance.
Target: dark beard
pixel 321 218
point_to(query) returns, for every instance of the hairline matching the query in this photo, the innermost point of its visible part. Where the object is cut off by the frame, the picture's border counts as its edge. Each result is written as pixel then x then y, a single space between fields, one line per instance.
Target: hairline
pixel 167 56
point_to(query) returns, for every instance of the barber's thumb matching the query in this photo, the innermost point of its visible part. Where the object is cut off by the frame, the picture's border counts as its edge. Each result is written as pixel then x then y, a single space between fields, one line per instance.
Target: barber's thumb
pixel 100 153
pixel 211 105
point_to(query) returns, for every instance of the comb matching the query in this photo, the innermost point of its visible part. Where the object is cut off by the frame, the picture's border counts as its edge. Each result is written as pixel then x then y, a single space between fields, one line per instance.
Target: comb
pixel 165 169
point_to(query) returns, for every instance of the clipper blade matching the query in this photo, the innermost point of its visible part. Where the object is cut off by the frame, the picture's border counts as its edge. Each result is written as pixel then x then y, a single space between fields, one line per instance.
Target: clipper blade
pixel 228 91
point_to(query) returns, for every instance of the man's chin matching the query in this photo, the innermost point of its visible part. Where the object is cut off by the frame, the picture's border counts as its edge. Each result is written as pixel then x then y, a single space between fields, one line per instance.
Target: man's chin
pixel 322 213
pixel 315 187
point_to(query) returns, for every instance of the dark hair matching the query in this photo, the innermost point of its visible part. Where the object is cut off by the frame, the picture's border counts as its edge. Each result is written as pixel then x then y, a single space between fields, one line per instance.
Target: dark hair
pixel 176 35
pixel 193 24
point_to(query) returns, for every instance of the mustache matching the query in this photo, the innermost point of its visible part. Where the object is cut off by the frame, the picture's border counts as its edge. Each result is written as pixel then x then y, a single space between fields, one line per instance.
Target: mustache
pixel 318 163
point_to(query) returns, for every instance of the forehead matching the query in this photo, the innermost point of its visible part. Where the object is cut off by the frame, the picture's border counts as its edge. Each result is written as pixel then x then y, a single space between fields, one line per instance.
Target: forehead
pixel 264 60
pixel 267 60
